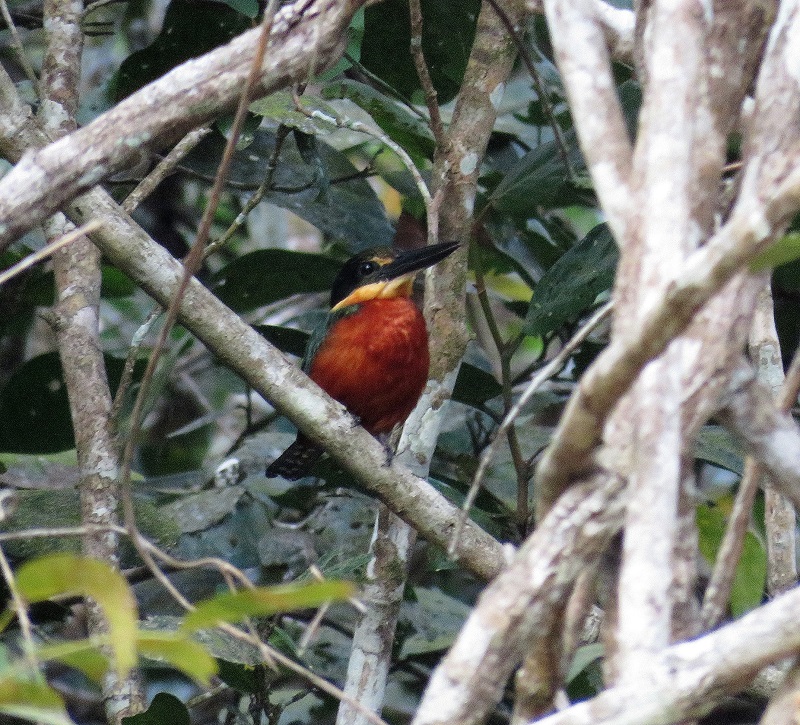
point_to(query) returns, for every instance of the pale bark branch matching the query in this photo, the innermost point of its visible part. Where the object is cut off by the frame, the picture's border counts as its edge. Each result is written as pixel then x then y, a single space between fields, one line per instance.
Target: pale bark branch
pixel 306 37
pixel 689 679
pixel 616 23
pixel 373 640
pixel 77 313
pixel 771 436
pixel 585 66
pixel 517 610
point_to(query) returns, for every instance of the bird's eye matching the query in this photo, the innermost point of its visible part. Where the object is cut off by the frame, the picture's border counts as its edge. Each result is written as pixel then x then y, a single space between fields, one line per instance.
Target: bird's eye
pixel 367 268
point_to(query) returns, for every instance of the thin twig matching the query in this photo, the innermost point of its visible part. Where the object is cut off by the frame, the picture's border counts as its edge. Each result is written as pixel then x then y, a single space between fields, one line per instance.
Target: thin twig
pixel 16 42
pixel 260 192
pixel 547 107
pixel 538 380
pixel 28 645
pixel 164 167
pixel 360 127
pixel 48 249
pixel 191 265
pixel 718 591
pixel 505 352
pixel 431 97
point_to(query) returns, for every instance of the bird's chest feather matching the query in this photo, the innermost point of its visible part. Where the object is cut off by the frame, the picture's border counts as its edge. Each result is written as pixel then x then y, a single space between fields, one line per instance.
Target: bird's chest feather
pixel 375 361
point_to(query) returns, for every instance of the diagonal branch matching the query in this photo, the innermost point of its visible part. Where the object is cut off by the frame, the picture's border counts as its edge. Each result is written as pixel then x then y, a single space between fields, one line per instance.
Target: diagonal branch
pixel 515 612
pixel 687 680
pixel 306 37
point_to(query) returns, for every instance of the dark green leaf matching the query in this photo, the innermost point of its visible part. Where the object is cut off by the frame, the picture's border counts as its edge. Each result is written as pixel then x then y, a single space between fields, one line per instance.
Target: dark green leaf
pixel 573 283
pixel 238 676
pixel 584 656
pixel 448 29
pixel 435 619
pixel 245 7
pixel 400 125
pixel 716 445
pixel 475 386
pixel 540 180
pixel 116 283
pixel 349 211
pixel 191 28
pixel 286 339
pixel 269 275
pixel 165 709
pixel 34 409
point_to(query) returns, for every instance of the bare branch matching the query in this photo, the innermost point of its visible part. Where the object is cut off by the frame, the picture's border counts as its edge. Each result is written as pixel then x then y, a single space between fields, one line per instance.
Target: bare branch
pixel 585 67
pixel 687 680
pixel 516 611
pixel 306 37
pixel 770 436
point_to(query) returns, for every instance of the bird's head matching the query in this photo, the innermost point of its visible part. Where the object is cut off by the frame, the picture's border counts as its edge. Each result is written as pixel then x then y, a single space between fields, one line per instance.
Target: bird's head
pixel 383 272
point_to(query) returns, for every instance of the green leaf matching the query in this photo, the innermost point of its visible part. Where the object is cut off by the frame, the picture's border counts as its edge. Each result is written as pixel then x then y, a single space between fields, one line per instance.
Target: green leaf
pixel 265 601
pixel 350 210
pixel 540 180
pixel 34 407
pixel 716 445
pixel 191 28
pixel 245 7
pixel 59 574
pixel 116 283
pixel 404 128
pixel 751 576
pixel 751 572
pixel 448 29
pixel 280 108
pixel 475 386
pixel 165 709
pixel 573 283
pixel 180 651
pixel 435 618
pixel 584 656
pixel 785 250
pixel 238 676
pixel 286 339
pixel 268 275
pixel 82 654
pixel 32 700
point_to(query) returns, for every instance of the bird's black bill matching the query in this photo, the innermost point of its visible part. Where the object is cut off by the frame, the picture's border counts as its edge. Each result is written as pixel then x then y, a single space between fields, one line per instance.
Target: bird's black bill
pixel 418 259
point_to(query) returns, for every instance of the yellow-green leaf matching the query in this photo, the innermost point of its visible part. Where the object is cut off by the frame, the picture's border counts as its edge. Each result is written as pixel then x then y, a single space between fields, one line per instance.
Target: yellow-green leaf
pixel 786 249
pixel 82 654
pixel 68 574
pixel 264 601
pixel 180 651
pixel 32 700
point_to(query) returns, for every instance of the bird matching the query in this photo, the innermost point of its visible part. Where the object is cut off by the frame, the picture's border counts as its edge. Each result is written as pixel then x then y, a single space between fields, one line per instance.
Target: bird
pixel 371 352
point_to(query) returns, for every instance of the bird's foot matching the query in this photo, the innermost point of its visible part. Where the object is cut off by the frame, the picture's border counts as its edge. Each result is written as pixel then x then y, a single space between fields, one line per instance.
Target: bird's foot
pixel 386 441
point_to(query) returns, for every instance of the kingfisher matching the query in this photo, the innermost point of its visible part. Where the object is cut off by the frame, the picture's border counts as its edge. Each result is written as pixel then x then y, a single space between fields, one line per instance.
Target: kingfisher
pixel 371 352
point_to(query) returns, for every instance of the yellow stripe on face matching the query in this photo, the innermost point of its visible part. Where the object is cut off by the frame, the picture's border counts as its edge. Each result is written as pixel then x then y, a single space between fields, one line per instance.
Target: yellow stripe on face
pixel 398 287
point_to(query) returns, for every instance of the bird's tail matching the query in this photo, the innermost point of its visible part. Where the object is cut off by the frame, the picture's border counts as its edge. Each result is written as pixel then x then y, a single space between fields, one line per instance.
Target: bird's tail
pixel 296 460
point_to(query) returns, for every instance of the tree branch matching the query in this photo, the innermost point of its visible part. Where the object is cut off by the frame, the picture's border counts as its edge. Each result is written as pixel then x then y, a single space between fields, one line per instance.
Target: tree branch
pixel 689 679
pixel 515 613
pixel 306 37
